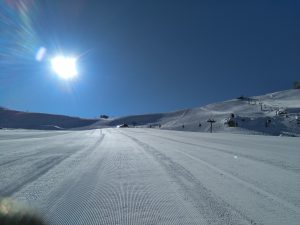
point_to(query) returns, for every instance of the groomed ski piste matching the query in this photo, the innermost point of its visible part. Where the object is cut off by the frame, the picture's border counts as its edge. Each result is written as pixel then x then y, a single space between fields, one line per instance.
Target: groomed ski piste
pixel 148 176
pixel 164 175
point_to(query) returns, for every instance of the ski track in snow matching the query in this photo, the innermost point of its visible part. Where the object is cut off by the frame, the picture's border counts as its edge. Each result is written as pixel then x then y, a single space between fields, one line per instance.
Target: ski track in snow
pixel 213 209
pixel 147 176
pixel 227 151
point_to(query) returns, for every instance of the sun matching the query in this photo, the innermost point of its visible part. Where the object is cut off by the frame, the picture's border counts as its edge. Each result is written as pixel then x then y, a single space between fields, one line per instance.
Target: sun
pixel 64 67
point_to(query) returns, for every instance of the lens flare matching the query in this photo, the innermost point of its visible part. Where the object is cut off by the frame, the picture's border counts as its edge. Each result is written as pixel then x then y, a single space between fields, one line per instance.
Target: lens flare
pixel 41 53
pixel 19 39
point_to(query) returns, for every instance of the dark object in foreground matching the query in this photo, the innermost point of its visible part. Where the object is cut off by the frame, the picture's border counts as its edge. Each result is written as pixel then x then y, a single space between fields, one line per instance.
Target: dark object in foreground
pixel 13 214
pixel 19 219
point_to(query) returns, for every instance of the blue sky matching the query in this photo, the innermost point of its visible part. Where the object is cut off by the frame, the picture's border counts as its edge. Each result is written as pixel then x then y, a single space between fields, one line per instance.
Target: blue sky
pixel 146 56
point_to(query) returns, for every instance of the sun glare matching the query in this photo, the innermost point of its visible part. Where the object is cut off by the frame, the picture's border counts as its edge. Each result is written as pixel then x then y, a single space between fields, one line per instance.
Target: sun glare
pixel 64 67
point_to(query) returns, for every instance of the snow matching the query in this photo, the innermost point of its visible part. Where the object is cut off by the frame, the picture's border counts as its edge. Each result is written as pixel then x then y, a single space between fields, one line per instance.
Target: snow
pixel 281 108
pixel 152 176
pixel 27 120
pixel 251 116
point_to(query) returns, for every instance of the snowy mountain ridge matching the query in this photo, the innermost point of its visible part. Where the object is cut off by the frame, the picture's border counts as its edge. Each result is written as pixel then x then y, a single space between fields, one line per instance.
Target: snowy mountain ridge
pixel 40 121
pixel 271 114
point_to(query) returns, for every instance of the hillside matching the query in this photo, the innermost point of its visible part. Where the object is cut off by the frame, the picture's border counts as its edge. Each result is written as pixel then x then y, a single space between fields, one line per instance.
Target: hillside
pixel 41 121
pixel 272 114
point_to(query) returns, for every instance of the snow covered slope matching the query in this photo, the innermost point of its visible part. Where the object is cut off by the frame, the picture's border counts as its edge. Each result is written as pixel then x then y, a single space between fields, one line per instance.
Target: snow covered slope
pixel 150 176
pixel 17 119
pixel 273 114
